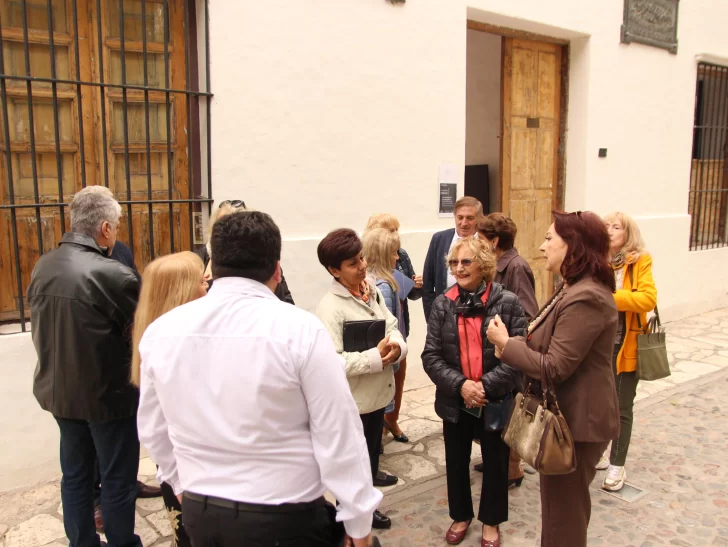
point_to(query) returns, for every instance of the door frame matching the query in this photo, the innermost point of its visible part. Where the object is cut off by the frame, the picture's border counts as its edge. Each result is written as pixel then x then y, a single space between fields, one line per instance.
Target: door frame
pixel 505 32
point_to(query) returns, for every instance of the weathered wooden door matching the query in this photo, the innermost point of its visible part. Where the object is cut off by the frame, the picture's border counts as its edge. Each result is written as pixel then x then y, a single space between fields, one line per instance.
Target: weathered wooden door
pixel 62 135
pixel 531 133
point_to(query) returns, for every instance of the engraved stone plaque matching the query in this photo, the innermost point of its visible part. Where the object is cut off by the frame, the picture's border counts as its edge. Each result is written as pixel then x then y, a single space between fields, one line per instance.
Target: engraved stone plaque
pixel 651 22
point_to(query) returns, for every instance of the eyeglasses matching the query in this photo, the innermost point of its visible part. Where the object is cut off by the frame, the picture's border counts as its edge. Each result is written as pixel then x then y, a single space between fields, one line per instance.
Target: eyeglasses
pixel 466 262
pixel 232 203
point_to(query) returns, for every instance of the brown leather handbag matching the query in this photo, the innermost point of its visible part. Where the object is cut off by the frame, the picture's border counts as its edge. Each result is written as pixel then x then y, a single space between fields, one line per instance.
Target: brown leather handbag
pixel 538 432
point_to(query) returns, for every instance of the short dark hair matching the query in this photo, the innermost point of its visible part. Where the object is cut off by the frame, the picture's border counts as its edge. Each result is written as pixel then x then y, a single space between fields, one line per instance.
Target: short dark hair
pixel 588 255
pixel 500 226
pixel 245 244
pixel 337 246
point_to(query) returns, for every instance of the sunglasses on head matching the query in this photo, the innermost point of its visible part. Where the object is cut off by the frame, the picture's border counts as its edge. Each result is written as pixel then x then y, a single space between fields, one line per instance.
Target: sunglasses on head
pixel 466 262
pixel 232 203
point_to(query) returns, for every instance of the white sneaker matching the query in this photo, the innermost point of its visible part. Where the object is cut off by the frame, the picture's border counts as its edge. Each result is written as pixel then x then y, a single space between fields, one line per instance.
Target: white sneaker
pixel 616 476
pixel 604 461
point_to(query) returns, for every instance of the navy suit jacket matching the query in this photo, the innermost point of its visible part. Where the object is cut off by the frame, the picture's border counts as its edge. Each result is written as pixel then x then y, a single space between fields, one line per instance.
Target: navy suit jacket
pixel 434 276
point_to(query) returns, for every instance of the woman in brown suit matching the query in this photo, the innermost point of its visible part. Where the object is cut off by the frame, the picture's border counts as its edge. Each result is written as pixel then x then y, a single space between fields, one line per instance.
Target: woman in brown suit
pixel 574 332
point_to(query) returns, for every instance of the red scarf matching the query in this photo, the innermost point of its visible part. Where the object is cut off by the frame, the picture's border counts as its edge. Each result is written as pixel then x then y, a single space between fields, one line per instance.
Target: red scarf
pixel 470 331
pixel 363 292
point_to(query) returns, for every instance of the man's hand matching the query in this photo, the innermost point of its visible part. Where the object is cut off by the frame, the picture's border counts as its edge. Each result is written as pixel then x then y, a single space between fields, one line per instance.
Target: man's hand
pixel 418 281
pixel 363 542
pixel 473 394
pixel 179 498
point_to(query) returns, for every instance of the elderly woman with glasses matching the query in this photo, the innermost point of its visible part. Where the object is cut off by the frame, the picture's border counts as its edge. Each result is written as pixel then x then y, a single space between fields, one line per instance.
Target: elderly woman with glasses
pixel 474 388
pixel 225 208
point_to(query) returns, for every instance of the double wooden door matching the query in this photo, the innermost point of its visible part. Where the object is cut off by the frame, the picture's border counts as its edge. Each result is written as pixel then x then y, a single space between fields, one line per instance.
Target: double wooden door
pixel 531 138
pixel 58 136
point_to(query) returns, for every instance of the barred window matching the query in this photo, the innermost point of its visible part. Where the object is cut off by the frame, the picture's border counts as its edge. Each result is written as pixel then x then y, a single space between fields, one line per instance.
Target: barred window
pixel 708 200
pixel 101 92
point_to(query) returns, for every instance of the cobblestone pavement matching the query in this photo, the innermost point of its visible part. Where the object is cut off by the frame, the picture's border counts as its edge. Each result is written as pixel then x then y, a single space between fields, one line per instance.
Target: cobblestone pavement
pixel 676 467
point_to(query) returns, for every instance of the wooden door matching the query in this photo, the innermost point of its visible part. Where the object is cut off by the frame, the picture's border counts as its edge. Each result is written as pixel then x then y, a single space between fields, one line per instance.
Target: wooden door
pixel 35 178
pixel 531 134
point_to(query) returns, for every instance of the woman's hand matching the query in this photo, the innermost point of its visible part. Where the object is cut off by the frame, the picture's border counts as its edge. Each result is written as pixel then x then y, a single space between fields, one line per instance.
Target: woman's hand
pixel 394 352
pixel 497 334
pixel 418 281
pixel 473 394
pixel 383 347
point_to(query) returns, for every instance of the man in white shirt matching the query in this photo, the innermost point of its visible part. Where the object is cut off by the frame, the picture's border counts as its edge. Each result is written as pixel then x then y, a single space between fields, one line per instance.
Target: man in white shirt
pixel 436 277
pixel 246 409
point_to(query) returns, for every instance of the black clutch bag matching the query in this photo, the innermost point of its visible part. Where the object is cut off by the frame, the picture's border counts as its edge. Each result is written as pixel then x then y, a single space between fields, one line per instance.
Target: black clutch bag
pixel 363 335
pixel 497 413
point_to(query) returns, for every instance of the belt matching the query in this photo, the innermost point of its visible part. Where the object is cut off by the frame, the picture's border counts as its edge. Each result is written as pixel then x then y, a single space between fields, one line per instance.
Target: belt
pixel 255 507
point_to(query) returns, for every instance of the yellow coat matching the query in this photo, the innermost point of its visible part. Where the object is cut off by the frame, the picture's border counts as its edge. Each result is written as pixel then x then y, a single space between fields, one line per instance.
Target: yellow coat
pixel 641 301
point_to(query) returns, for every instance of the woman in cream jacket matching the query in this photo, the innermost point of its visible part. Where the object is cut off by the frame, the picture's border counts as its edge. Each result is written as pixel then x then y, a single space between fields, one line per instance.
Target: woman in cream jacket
pixel 354 296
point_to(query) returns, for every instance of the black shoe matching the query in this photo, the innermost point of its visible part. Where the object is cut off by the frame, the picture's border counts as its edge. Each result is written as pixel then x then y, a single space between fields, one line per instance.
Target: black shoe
pixel 478 467
pixel 515 482
pixel 383 479
pixel 401 438
pixel 380 522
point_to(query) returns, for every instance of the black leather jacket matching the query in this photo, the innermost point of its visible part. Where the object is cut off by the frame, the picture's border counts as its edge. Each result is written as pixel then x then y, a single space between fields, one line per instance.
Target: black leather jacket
pixel 82 307
pixel 441 357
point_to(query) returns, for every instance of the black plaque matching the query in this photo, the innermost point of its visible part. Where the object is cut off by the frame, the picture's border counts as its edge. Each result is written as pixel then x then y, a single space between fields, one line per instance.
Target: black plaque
pixel 651 22
pixel 448 197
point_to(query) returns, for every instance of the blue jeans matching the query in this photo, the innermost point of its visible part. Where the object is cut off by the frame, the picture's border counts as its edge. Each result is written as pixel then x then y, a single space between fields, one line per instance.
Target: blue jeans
pixel 117 445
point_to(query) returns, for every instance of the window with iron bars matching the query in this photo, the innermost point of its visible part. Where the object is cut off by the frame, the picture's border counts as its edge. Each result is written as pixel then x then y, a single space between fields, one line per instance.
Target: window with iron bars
pixel 708 202
pixel 110 92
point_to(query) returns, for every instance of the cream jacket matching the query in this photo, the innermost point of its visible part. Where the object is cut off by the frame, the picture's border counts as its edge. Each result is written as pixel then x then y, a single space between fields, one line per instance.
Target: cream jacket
pixel 371 383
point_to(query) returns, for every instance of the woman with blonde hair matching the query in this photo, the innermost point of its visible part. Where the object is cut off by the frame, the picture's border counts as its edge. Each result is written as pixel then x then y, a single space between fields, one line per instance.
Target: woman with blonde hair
pixel 403 265
pixel 475 389
pixel 167 282
pixel 635 296
pixel 225 208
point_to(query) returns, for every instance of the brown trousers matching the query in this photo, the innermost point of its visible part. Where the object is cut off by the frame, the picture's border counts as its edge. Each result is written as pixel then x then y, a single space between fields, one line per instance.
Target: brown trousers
pixel 565 500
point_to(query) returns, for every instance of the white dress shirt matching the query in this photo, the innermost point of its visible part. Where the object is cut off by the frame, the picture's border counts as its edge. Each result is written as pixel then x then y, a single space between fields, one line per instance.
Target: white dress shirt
pixel 450 277
pixel 243 397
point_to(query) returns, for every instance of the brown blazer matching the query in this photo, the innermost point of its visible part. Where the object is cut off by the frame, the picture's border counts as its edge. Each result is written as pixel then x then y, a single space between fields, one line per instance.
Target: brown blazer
pixel 514 273
pixel 576 338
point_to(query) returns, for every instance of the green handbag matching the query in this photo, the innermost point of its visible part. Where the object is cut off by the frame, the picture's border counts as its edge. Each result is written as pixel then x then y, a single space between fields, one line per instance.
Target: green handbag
pixel 652 360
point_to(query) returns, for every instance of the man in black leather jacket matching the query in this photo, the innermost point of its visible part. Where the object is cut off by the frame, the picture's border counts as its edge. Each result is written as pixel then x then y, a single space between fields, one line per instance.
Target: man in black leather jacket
pixel 82 307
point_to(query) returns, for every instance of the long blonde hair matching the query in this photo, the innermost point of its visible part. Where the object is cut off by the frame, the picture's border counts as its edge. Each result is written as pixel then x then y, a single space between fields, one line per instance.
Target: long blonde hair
pixel 225 208
pixel 167 282
pixel 379 246
pixel 634 245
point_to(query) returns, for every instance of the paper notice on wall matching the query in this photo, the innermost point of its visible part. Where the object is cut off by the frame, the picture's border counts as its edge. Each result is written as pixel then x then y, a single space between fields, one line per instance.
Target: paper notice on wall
pixel 448 189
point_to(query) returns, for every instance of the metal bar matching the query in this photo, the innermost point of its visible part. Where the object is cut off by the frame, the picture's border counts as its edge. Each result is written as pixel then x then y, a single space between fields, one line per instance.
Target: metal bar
pixel 100 54
pixel 31 130
pixel 150 220
pixel 56 120
pixel 79 100
pixel 130 87
pixel 697 167
pixel 188 78
pixel 207 100
pixel 125 114
pixel 718 175
pixel 121 202
pixel 11 190
pixel 167 108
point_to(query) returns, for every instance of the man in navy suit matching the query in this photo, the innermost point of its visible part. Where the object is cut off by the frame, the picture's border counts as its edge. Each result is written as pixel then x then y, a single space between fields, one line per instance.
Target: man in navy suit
pixel 436 277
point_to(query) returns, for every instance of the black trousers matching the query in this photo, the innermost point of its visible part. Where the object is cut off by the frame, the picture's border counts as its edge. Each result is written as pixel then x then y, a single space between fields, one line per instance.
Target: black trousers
pixel 494 489
pixel 252 525
pixel 373 423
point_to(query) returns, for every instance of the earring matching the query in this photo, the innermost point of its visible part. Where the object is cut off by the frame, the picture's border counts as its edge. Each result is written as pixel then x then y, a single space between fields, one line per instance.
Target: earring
pixel 493 248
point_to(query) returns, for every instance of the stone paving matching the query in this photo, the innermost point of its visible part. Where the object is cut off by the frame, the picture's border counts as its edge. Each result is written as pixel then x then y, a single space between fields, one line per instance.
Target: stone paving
pixel 676 458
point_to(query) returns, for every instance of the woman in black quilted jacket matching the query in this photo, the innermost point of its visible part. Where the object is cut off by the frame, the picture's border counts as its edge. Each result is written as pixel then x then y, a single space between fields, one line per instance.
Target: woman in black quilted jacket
pixel 474 388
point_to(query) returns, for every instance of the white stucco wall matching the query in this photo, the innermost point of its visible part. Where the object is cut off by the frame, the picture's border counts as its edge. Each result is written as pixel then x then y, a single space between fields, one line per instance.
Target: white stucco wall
pixel 328 111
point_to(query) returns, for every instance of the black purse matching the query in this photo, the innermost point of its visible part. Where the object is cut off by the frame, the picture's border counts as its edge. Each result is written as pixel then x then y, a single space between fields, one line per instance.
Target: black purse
pixel 497 413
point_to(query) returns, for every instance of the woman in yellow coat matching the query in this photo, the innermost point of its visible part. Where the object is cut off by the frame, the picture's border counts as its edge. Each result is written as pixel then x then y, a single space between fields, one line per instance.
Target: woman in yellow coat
pixel 636 295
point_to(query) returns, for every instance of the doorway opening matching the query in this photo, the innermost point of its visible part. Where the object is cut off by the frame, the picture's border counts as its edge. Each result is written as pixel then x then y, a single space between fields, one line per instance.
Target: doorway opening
pixel 515 127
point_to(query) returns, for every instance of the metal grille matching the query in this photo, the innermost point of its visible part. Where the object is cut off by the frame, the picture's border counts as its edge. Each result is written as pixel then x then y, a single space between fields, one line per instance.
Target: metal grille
pixel 709 174
pixel 171 125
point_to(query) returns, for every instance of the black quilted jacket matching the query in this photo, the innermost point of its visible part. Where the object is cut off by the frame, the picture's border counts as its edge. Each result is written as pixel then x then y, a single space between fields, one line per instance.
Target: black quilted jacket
pixel 441 357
